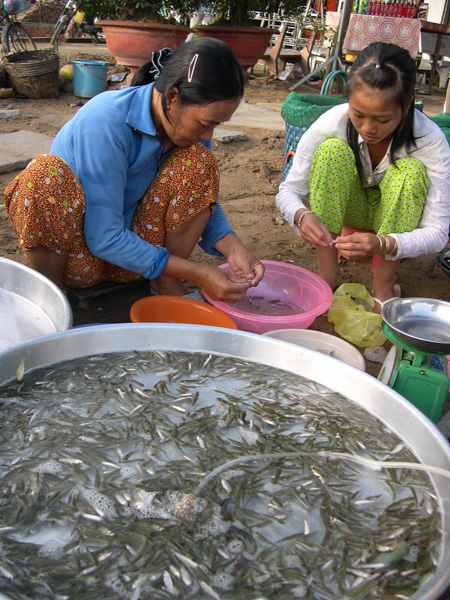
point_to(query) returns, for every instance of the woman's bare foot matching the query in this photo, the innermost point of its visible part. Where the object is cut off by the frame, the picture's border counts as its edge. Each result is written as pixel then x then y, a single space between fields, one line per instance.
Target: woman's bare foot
pixel 168 285
pixel 378 305
pixel 381 293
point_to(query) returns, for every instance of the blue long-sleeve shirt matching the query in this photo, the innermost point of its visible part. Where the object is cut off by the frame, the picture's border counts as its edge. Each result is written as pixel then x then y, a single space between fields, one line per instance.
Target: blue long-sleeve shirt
pixel 113 148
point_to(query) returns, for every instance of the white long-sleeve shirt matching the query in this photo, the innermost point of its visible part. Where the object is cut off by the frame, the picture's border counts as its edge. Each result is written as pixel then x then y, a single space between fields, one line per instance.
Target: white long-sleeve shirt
pixel 431 148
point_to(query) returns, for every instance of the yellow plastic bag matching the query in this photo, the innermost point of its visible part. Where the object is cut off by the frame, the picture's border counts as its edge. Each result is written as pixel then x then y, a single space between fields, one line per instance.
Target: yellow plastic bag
pixel 352 316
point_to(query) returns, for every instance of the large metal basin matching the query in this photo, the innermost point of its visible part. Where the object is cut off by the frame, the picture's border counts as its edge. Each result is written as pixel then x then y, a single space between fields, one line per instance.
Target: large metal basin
pixel 31 305
pixel 411 425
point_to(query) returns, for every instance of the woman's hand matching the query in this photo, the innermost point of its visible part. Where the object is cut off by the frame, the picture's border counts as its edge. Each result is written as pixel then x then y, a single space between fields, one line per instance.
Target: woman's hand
pixel 246 266
pixel 358 245
pixel 313 230
pixel 222 285
pixel 219 283
pixel 244 263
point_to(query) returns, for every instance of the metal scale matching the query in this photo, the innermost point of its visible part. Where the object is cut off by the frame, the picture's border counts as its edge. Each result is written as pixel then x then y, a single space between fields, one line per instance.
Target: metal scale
pixel 416 365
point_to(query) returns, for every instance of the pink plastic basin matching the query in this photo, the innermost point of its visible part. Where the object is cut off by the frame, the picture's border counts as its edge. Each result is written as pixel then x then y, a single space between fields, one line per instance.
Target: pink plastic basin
pixel 286 283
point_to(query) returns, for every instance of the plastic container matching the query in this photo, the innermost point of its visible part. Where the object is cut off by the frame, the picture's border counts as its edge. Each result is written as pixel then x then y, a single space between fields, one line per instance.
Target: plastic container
pixel 79 17
pixel 286 283
pixel 15 6
pixel 322 342
pixel 176 309
pixel 89 77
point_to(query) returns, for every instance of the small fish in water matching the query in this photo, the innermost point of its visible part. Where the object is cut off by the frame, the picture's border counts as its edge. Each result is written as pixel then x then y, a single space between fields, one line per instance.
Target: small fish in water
pixel 268 307
pixel 20 370
pixel 243 477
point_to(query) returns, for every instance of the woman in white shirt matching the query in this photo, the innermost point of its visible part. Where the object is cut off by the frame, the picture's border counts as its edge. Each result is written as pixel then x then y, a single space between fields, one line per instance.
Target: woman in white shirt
pixel 375 164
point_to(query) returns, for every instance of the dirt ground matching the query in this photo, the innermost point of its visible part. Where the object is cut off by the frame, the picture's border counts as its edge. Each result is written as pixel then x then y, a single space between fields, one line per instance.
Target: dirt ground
pixel 250 175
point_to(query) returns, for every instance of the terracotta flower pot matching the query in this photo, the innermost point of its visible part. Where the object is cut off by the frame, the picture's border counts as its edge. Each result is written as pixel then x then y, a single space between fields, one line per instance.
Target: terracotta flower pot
pixel 248 43
pixel 132 42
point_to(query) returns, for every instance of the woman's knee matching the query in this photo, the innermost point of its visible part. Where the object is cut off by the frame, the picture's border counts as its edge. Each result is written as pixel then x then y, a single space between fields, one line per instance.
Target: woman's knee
pixel 410 163
pixel 198 152
pixel 407 166
pixel 335 147
pixel 196 162
pixel 407 173
pixel 333 154
pixel 186 184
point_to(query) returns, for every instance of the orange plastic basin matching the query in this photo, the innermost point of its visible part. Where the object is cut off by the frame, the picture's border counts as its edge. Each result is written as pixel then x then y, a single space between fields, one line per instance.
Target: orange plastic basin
pixel 176 309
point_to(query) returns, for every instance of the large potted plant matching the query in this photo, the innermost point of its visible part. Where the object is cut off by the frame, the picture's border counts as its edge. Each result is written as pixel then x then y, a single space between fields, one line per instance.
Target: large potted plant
pixel 234 24
pixel 135 28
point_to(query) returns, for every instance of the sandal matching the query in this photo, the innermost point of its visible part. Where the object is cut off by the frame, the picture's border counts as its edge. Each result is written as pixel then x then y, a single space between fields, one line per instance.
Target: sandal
pixel 397 294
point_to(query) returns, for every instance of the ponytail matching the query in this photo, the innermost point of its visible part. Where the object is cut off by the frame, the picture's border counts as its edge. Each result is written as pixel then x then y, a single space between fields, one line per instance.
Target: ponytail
pixel 151 70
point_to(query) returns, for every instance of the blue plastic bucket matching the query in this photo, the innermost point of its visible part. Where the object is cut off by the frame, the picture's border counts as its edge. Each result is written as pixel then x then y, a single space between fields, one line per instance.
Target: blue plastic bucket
pixel 89 77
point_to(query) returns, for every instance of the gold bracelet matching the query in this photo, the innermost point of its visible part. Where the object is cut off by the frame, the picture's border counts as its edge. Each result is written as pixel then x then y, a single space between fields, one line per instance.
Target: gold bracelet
pixel 380 249
pixel 307 212
pixel 394 248
pixel 383 243
pixel 389 249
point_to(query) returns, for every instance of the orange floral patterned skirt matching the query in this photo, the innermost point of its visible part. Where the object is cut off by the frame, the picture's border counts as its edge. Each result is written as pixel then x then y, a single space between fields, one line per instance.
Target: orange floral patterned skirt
pixel 46 205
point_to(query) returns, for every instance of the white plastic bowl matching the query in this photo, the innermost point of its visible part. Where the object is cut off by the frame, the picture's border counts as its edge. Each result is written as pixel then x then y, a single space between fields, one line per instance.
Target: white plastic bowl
pixel 321 342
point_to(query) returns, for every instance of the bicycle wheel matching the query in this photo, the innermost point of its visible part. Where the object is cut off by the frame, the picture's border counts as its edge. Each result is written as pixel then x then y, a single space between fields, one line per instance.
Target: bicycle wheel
pixel 17 39
pixel 60 28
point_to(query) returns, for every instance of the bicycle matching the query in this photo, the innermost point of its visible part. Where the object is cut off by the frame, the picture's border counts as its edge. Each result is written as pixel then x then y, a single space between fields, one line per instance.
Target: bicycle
pixel 85 24
pixel 15 37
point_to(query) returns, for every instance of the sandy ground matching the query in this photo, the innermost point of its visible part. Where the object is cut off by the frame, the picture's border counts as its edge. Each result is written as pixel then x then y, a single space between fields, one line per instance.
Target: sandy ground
pixel 250 175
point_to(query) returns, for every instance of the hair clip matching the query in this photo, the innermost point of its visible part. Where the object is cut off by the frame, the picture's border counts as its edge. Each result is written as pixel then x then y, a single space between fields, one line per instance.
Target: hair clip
pixel 192 68
pixel 156 61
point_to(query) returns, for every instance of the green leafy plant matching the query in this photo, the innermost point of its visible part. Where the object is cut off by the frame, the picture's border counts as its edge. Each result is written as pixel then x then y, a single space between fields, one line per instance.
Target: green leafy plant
pixel 159 11
pixel 239 12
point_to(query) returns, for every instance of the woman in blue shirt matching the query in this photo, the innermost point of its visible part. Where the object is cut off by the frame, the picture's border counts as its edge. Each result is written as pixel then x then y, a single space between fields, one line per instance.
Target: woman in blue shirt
pixel 131 184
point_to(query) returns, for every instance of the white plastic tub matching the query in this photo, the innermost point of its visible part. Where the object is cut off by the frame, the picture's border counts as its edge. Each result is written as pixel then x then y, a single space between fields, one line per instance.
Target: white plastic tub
pixel 321 342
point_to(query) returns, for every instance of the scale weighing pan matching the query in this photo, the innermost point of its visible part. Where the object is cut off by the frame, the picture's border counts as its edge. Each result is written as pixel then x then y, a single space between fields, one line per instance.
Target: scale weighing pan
pixel 422 323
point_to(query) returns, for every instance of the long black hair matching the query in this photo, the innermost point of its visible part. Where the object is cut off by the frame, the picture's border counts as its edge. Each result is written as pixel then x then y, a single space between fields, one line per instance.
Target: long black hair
pixel 204 70
pixel 385 67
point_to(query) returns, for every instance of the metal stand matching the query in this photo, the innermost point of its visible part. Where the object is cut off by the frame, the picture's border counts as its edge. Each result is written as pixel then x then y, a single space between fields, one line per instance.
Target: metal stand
pixel 336 57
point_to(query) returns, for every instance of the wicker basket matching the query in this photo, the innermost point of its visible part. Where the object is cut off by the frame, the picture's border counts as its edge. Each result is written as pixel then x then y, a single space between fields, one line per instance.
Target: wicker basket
pixel 300 111
pixel 34 73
